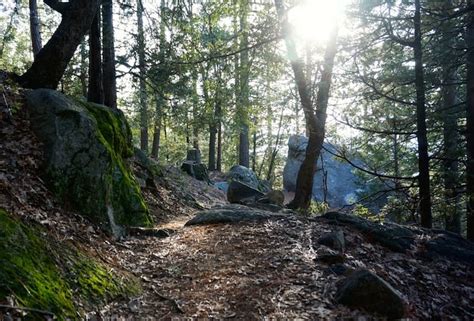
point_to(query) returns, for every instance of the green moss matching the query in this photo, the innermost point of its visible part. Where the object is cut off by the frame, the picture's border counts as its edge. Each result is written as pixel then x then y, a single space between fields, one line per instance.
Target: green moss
pixel 30 274
pixel 122 191
pixel 97 285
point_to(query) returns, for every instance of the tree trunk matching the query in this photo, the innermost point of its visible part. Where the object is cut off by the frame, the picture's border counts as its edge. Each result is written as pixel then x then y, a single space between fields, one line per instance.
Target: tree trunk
pixel 96 91
pixel 35 28
pixel 423 158
pixel 243 101
pixel 219 146
pixel 212 146
pixel 142 75
pixel 84 68
pixel 450 163
pixel 254 153
pixel 108 54
pixel 155 147
pixel 195 101
pixel 51 62
pixel 315 121
pixel 470 124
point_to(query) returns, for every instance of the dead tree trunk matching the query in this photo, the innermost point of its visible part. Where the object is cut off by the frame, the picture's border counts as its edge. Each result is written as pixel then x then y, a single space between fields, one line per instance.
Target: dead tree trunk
pixel 51 62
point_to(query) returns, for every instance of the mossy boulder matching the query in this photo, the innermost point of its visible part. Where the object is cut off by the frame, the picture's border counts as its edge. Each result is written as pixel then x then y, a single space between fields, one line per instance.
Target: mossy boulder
pixel 40 273
pixel 86 147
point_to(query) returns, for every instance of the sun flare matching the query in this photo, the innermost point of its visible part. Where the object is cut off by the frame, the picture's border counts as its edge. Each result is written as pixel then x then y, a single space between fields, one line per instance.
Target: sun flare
pixel 313 19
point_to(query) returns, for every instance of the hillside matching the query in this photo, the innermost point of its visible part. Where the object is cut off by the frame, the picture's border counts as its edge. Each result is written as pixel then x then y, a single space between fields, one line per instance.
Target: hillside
pixel 269 266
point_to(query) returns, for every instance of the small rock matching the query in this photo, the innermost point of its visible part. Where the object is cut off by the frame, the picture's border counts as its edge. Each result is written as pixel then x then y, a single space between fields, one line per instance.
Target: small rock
pixel 329 256
pixel 334 240
pixel 365 290
pixel 150 232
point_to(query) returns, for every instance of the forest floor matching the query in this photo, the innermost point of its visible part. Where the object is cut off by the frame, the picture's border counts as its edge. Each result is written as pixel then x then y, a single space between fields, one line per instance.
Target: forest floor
pixel 228 271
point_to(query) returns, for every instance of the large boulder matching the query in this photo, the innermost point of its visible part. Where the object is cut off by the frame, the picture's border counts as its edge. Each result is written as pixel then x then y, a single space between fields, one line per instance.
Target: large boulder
pixel 244 175
pixel 85 147
pixel 365 290
pixel 341 181
pixel 239 191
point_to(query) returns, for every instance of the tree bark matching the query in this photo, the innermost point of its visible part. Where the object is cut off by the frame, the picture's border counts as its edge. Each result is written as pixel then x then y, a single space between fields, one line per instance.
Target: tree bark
pixel 142 75
pixel 35 28
pixel 96 91
pixel 470 124
pixel 51 62
pixel 108 55
pixel 423 158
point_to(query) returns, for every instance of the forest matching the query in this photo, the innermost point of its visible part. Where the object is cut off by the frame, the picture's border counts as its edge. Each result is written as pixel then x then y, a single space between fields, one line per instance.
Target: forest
pixel 266 159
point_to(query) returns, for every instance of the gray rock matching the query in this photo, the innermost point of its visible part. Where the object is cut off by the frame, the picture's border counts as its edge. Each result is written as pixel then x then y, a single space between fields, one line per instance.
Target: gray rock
pixel 341 181
pixel 194 155
pixel 451 246
pixel 85 148
pixel 391 235
pixel 231 214
pixel 244 175
pixel 365 290
pixel 196 170
pixel 334 240
pixel 239 191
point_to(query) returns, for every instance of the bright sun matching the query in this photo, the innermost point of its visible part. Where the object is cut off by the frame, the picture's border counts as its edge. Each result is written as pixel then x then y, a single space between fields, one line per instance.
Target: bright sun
pixel 314 19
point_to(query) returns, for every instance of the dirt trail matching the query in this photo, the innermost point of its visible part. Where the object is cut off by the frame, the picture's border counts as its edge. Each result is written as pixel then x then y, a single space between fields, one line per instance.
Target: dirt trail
pixel 267 270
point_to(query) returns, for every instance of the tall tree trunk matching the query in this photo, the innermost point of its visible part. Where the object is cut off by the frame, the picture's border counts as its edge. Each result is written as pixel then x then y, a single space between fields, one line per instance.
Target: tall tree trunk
pixel 84 69
pixel 219 145
pixel 142 75
pixel 254 152
pixel 212 145
pixel 96 91
pixel 470 124
pixel 35 28
pixel 423 158
pixel 315 121
pixel 108 54
pixel 450 126
pixel 244 73
pixel 195 101
pixel 155 147
pixel 159 100
pixel 51 62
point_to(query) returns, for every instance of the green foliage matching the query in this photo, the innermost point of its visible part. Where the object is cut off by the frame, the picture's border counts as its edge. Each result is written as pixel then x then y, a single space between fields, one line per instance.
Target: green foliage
pixel 364 212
